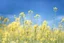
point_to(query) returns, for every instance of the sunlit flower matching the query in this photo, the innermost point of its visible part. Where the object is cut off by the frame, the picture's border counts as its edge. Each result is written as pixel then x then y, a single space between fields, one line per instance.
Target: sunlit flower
pixel 15 32
pixel 22 14
pixel 37 16
pixel 28 22
pixel 35 26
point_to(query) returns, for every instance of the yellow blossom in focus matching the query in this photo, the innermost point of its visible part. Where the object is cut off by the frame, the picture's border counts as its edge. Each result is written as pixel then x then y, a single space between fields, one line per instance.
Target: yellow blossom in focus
pixel 35 26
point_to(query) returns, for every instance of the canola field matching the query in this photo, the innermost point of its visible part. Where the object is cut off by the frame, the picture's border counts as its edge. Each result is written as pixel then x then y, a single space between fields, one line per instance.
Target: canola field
pixel 25 31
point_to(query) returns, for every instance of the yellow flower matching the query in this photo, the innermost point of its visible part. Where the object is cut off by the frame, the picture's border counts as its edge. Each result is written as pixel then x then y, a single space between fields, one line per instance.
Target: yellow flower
pixel 12 42
pixel 42 39
pixel 28 22
pixel 25 42
pixel 56 31
pixel 3 41
pixel 16 33
pixel 52 39
pixel 35 26
pixel 38 36
pixel 6 20
pixel 45 22
pixel 13 26
pixel 1 30
pixel 17 19
pixel 44 25
pixel 40 42
pixel 22 14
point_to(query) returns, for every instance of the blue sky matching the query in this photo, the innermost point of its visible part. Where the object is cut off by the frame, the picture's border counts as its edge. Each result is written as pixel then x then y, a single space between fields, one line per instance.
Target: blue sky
pixel 43 7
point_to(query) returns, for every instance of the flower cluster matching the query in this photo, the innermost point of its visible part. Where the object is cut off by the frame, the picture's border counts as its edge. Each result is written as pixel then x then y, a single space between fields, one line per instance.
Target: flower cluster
pixel 27 32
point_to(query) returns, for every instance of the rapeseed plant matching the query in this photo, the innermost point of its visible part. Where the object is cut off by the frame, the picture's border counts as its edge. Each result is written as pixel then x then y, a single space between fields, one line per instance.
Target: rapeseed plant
pixel 27 32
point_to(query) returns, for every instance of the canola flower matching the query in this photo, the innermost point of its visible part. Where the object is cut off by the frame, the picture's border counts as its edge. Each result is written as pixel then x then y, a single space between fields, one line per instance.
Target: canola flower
pixel 15 32
pixel 55 9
